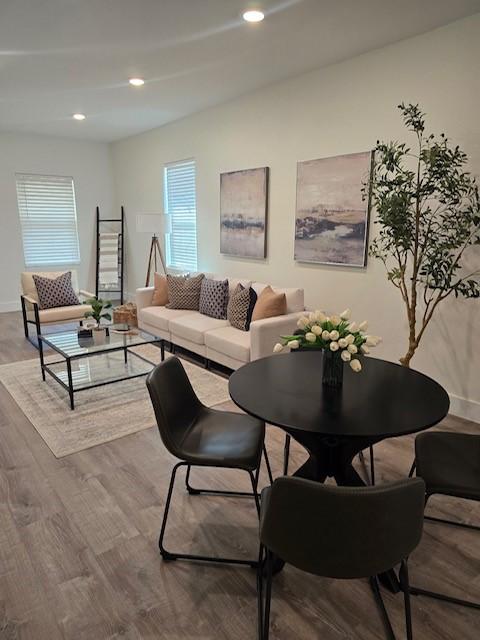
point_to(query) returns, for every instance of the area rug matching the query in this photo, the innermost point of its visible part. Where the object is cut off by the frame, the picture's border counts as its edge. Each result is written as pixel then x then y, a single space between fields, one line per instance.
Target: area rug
pixel 101 414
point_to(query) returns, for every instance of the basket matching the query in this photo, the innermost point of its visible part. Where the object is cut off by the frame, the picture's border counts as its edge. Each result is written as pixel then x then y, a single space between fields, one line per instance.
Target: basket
pixel 126 314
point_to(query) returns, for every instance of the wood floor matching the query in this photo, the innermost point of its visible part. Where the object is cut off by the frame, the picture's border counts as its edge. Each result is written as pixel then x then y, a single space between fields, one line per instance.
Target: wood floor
pixel 79 560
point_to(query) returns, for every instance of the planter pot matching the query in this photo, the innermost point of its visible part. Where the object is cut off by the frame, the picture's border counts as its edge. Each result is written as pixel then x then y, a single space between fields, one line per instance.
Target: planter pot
pixel 99 335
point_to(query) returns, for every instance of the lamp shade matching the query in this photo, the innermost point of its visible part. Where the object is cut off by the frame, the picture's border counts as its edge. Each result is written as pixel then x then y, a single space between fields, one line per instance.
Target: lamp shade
pixel 153 223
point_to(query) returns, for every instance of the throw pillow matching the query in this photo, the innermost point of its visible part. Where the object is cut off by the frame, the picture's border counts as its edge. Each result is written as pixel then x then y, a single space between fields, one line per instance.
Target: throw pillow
pixel 184 292
pixel 240 307
pixel 55 292
pixel 214 298
pixel 160 292
pixel 270 304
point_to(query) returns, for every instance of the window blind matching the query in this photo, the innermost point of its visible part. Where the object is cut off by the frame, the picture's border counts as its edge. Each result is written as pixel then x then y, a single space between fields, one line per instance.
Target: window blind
pixel 48 218
pixel 181 206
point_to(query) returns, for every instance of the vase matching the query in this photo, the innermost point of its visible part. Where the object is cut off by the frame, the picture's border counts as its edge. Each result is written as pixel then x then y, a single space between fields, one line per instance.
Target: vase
pixel 332 369
pixel 99 335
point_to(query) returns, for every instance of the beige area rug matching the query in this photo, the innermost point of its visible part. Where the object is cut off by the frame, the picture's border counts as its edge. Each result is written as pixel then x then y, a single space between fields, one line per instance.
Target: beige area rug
pixel 101 414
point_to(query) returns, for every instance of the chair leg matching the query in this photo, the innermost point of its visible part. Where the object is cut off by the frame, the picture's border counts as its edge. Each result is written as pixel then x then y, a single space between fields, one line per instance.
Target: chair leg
pixel 168 555
pixel 405 585
pixel 412 469
pixel 268 595
pixel 454 523
pixel 286 454
pixel 381 606
pixel 372 466
pixel 260 593
pixel 267 462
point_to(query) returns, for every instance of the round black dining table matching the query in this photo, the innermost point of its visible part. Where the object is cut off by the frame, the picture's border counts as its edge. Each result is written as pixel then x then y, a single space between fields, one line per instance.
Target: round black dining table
pixel 382 401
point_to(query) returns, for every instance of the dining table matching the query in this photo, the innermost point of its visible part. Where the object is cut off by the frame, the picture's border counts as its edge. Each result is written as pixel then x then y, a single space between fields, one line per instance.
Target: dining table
pixel 334 424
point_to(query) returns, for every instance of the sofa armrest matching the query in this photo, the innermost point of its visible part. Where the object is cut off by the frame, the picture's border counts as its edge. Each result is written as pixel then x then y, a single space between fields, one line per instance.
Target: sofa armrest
pixel 86 294
pixel 265 333
pixel 143 298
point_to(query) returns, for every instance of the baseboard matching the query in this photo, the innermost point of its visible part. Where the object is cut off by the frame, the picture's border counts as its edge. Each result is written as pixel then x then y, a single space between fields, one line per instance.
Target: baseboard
pixel 464 408
pixel 10 306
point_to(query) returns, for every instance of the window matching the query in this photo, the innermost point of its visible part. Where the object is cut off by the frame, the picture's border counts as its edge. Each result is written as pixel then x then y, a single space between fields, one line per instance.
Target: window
pixel 48 217
pixel 180 205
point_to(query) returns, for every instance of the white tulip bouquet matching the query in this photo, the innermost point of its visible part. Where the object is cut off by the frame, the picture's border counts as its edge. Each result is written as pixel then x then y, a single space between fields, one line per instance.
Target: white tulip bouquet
pixel 336 334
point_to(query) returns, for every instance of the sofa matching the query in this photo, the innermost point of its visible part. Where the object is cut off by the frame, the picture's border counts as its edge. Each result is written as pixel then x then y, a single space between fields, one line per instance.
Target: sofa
pixel 216 340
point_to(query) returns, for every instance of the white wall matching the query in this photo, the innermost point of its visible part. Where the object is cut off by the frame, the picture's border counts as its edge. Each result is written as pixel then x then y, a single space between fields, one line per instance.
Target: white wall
pixel 340 109
pixel 90 165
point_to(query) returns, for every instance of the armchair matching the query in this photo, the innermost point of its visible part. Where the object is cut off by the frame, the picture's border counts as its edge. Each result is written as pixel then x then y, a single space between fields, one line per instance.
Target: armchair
pixel 33 315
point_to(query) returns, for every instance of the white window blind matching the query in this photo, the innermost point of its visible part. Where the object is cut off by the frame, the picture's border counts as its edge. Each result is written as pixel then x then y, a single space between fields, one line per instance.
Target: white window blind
pixel 181 206
pixel 48 218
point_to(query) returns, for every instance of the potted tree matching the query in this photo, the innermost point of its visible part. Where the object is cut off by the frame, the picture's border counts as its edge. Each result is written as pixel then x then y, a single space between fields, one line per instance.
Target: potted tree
pixel 428 211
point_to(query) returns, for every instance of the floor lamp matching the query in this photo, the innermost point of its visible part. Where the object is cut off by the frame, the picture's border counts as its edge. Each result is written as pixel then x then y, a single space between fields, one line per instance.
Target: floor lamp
pixel 156 224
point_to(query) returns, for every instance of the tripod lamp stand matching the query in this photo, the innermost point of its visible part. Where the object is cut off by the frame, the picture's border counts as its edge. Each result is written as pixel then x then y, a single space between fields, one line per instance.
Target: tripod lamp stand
pixel 156 224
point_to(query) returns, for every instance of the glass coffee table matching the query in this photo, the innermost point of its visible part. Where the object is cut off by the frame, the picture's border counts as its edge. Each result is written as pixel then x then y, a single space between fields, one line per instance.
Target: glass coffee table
pixel 86 363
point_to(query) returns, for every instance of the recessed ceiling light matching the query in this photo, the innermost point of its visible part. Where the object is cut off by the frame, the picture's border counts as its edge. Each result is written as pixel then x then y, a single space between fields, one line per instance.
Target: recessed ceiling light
pixel 137 82
pixel 79 116
pixel 254 15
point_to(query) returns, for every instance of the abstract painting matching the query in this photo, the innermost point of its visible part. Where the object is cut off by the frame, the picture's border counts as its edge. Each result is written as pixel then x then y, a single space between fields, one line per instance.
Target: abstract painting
pixel 331 224
pixel 243 213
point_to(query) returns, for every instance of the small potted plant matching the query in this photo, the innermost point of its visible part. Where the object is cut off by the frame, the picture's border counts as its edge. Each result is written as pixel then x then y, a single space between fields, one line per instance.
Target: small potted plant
pixel 339 339
pixel 100 311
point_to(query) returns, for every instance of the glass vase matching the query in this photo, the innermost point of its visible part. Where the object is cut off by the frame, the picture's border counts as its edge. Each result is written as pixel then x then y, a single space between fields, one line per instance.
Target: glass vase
pixel 332 369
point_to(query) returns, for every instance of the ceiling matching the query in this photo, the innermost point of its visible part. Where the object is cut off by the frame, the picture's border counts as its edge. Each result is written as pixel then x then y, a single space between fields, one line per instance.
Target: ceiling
pixel 58 57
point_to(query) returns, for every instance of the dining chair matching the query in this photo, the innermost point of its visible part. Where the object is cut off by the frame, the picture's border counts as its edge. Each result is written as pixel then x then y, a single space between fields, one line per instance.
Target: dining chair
pixel 449 464
pixel 339 532
pixel 203 437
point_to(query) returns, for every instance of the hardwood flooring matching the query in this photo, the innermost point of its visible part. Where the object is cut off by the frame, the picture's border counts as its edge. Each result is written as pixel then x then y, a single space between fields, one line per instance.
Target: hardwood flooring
pixel 79 558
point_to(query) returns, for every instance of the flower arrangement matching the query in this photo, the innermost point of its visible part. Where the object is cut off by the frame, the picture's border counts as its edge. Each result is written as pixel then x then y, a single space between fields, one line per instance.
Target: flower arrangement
pixel 340 339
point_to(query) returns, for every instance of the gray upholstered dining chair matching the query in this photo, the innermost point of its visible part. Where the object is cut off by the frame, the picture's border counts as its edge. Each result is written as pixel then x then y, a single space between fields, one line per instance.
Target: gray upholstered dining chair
pixel 339 532
pixel 204 437
pixel 449 464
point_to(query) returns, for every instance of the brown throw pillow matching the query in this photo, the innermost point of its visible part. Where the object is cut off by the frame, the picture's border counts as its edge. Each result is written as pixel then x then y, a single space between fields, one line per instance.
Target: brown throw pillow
pixel 55 292
pixel 269 304
pixel 160 293
pixel 184 291
pixel 240 307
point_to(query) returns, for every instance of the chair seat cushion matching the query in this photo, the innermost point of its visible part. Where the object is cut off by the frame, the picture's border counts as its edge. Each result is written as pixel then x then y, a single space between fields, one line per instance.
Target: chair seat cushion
pixel 194 326
pixel 230 341
pixel 160 316
pixel 449 463
pixel 224 439
pixel 64 314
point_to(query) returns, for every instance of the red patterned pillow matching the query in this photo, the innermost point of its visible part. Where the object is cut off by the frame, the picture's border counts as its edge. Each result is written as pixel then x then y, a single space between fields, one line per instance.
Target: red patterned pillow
pixel 55 292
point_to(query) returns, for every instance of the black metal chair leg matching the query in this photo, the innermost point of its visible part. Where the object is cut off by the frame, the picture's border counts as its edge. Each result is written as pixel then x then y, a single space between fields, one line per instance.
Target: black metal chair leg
pixel 381 606
pixel 254 481
pixel 260 593
pixel 267 462
pixel 168 555
pixel 416 591
pixel 286 455
pixel 454 523
pixel 412 469
pixel 268 596
pixel 405 585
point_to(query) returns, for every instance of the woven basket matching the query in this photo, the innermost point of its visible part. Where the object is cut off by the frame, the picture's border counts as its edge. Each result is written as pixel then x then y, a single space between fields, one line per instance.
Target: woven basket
pixel 126 313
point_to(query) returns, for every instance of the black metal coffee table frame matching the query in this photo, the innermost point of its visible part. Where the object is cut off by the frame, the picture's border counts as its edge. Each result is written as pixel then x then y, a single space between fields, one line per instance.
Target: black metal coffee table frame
pixel 46 367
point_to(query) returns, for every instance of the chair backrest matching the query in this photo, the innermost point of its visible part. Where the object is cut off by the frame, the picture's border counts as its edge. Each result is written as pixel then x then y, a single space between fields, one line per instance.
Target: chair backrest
pixel 342 532
pixel 174 401
pixel 28 284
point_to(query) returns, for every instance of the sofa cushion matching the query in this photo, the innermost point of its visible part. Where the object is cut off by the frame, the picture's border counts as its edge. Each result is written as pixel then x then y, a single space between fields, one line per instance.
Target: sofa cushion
pixel 55 292
pixel 64 314
pixel 28 285
pixel 194 326
pixel 184 292
pixel 240 307
pixel 294 297
pixel 269 304
pixel 161 316
pixel 214 298
pixel 160 291
pixel 230 341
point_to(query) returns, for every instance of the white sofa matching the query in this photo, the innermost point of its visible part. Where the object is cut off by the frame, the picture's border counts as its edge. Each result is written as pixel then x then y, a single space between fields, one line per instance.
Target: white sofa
pixel 216 340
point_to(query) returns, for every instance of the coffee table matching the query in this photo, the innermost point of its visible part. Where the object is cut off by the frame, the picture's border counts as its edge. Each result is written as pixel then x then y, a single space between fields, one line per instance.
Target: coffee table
pixel 85 363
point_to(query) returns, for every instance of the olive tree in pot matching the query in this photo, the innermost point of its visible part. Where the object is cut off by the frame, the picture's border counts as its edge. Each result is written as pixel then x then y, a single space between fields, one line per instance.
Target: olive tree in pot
pixel 428 213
